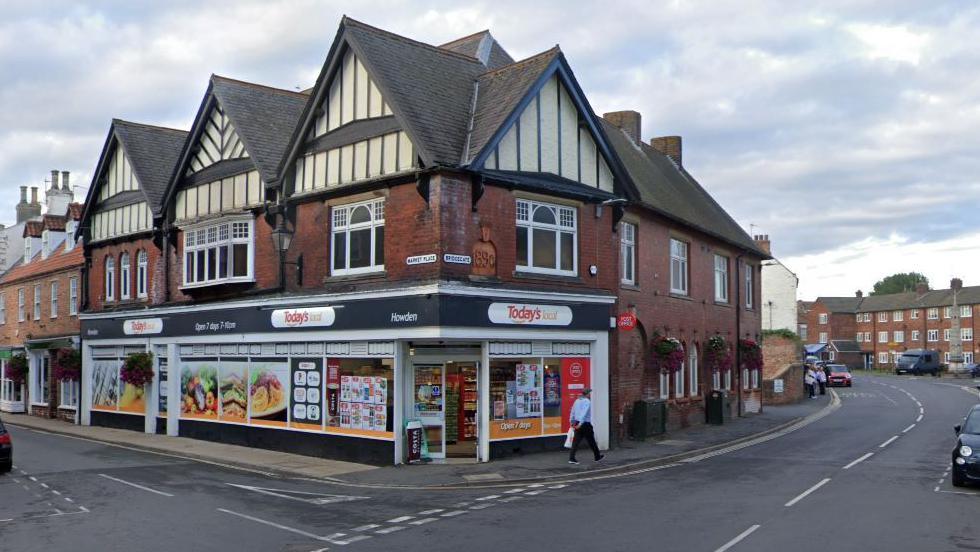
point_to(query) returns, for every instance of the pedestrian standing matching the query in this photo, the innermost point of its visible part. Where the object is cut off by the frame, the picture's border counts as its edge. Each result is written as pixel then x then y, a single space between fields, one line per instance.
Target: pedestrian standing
pixel 809 380
pixel 581 422
pixel 822 381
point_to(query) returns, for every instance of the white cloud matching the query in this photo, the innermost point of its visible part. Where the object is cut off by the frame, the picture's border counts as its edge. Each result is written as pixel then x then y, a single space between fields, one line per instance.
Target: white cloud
pixel 896 43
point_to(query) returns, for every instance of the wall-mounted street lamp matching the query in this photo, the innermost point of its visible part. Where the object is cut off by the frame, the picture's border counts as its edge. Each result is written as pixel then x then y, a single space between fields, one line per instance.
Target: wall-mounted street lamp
pixel 282 237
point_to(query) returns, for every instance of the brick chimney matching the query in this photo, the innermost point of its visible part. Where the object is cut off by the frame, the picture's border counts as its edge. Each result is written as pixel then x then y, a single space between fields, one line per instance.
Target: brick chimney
pixel 859 294
pixel 34 196
pixel 23 194
pixel 54 180
pixel 762 240
pixel 628 121
pixel 64 181
pixel 669 146
pixel 921 289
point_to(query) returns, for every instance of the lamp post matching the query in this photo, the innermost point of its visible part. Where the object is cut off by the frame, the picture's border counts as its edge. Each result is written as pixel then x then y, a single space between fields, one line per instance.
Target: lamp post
pixel 956 339
pixel 282 237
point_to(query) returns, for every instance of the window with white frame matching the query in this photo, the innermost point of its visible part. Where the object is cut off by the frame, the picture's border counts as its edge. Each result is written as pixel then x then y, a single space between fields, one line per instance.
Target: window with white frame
pixel 966 334
pixel 125 282
pixel 73 296
pixel 932 335
pixel 966 311
pixel 110 278
pixel 679 382
pixel 728 380
pixel 915 335
pixel 895 356
pixel 882 337
pixel 721 279
pixel 358 237
pixel 804 332
pixel 914 314
pixel 3 308
pixel 716 379
pixel 867 317
pixel 627 252
pixel 755 379
pixel 882 317
pixel 968 357
pixel 822 318
pixel 947 312
pixel 946 334
pixel 692 361
pixel 678 267
pixel 823 337
pixel 547 238
pixel 54 299
pixel 219 253
pixel 70 228
pixel 68 394
pixel 860 337
pixel 933 313
pixel 40 383
pixel 831 355
pixel 898 316
pixel 749 285
pixel 857 317
pixel 883 358
pixel 45 243
pixel 142 274
pixel 899 336
pixel 37 301
pixel 745 378
pixel 20 305
pixel 664 385
pixel 27 249
pixel 867 337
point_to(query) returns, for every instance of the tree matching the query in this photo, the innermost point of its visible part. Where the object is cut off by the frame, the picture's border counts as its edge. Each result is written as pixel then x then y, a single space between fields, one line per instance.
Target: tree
pixel 898 283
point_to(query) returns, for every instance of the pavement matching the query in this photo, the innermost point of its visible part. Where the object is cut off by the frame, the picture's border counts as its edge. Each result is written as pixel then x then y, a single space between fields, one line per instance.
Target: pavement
pixel 543 466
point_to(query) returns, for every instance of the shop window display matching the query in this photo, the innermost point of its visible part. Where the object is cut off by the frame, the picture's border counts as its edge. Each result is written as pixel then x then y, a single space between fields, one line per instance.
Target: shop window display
pixel 530 397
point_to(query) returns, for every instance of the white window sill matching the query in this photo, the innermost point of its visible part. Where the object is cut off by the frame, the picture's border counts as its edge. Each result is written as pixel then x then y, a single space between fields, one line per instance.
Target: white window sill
pixel 359 271
pixel 546 271
pixel 210 283
pixel 67 407
pixel 39 404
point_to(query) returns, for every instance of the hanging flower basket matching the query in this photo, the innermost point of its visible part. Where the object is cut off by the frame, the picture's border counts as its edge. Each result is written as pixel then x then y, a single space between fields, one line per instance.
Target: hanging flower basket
pixel 137 369
pixel 751 354
pixel 717 354
pixel 66 364
pixel 668 353
pixel 17 369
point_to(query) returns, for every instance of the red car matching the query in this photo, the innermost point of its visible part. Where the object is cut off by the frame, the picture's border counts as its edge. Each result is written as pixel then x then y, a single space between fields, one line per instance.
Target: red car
pixel 840 376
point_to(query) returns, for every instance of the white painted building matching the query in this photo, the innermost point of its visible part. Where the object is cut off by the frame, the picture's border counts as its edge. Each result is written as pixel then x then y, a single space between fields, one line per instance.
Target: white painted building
pixel 779 285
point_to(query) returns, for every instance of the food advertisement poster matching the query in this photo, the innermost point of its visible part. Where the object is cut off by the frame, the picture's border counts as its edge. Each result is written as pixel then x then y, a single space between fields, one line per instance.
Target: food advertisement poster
pixel 575 376
pixel 530 391
pixel 232 377
pixel 105 384
pixel 306 401
pixel 268 393
pixel 132 400
pixel 199 385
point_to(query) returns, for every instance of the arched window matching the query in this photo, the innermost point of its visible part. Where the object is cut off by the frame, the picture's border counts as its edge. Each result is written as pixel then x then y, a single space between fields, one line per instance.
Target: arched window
pixel 679 381
pixel 692 362
pixel 142 274
pixel 110 279
pixel 125 282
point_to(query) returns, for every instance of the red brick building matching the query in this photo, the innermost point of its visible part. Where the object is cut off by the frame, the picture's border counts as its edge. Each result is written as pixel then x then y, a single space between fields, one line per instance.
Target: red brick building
pixel 393 247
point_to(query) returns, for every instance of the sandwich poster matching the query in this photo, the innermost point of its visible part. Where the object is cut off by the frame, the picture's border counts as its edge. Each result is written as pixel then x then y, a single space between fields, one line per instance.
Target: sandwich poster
pixel 306 401
pixel 232 378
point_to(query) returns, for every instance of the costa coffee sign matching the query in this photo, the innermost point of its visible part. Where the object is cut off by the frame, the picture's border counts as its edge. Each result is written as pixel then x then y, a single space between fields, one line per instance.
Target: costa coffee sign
pixel 530 315
pixel 143 326
pixel 303 317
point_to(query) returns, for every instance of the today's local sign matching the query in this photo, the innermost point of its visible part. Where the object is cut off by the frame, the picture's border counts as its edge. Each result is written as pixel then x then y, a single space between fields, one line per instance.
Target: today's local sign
pixel 143 326
pixel 303 317
pixel 528 314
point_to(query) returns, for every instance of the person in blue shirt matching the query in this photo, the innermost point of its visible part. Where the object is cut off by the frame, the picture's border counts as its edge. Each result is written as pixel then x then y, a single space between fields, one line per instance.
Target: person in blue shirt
pixel 581 421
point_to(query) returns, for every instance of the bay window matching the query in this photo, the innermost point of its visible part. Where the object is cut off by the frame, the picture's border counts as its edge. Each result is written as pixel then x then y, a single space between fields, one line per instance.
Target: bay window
pixel 358 238
pixel 547 238
pixel 219 253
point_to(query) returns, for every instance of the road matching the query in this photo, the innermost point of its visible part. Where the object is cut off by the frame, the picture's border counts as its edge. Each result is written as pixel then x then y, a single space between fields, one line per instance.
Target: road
pixel 871 475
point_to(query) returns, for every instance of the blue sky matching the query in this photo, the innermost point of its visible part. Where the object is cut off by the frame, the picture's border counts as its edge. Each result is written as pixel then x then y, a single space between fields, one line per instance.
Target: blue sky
pixel 847 131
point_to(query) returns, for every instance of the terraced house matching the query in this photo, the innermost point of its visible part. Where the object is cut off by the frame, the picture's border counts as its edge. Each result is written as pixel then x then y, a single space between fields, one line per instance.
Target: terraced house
pixel 430 235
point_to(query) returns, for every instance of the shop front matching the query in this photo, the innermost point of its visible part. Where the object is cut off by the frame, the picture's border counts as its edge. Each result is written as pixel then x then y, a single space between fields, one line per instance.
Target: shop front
pixel 49 396
pixel 341 376
pixel 11 390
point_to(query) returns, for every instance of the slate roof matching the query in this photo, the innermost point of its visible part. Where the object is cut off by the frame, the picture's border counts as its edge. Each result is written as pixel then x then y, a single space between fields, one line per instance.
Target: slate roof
pixel 264 118
pixel 671 191
pixel 57 261
pixel 845 346
pixel 429 88
pixel 498 94
pixel 841 304
pixel 476 45
pixel 969 295
pixel 153 152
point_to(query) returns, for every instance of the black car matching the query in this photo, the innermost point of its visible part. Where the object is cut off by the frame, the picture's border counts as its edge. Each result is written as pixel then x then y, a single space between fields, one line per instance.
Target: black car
pixel 6 450
pixel 966 455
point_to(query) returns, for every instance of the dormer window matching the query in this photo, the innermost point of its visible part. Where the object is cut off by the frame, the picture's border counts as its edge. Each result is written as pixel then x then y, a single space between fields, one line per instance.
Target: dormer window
pixel 69 235
pixel 45 244
pixel 219 253
pixel 27 250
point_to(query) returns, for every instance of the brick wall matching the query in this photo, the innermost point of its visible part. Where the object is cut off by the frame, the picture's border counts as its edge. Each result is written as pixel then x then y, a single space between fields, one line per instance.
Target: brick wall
pixel 923 325
pixel 96 274
pixel 839 325
pixel 778 353
pixel 793 389
pixel 14 333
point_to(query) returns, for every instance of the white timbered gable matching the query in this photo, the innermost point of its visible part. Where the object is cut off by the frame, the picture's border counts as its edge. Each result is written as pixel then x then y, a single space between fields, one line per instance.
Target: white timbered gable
pixel 547 137
pixel 119 175
pixel 218 141
pixel 351 96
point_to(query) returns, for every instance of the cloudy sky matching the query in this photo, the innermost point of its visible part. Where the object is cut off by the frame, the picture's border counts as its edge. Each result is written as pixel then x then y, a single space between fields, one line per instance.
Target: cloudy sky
pixel 847 131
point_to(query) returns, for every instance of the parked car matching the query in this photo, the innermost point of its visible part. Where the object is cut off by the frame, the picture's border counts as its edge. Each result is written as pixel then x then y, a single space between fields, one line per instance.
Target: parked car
pixel 974 369
pixel 966 454
pixel 840 375
pixel 918 361
pixel 6 450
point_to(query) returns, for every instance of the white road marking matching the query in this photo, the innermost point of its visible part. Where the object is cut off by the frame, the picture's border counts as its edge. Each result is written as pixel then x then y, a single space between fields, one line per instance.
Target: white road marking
pixel 922 410
pixel 32 478
pixel 355 538
pixel 45 485
pixel 489 497
pixel 512 491
pixel 859 460
pixel 738 539
pixel 68 499
pixel 536 485
pixel 454 513
pixel 367 527
pixel 273 524
pixel 807 492
pixel 936 490
pixel 958 492
pixel 558 486
pixel 481 506
pixel 391 529
pixel 941 479
pixel 400 519
pixel 318 499
pixel 511 498
pixel 888 442
pixel 430 512
pixel 919 419
pixel 17 481
pixel 423 521
pixel 906 430
pixel 56 492
pixel 335 536
pixel 462 504
pixel 536 492
pixel 141 487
